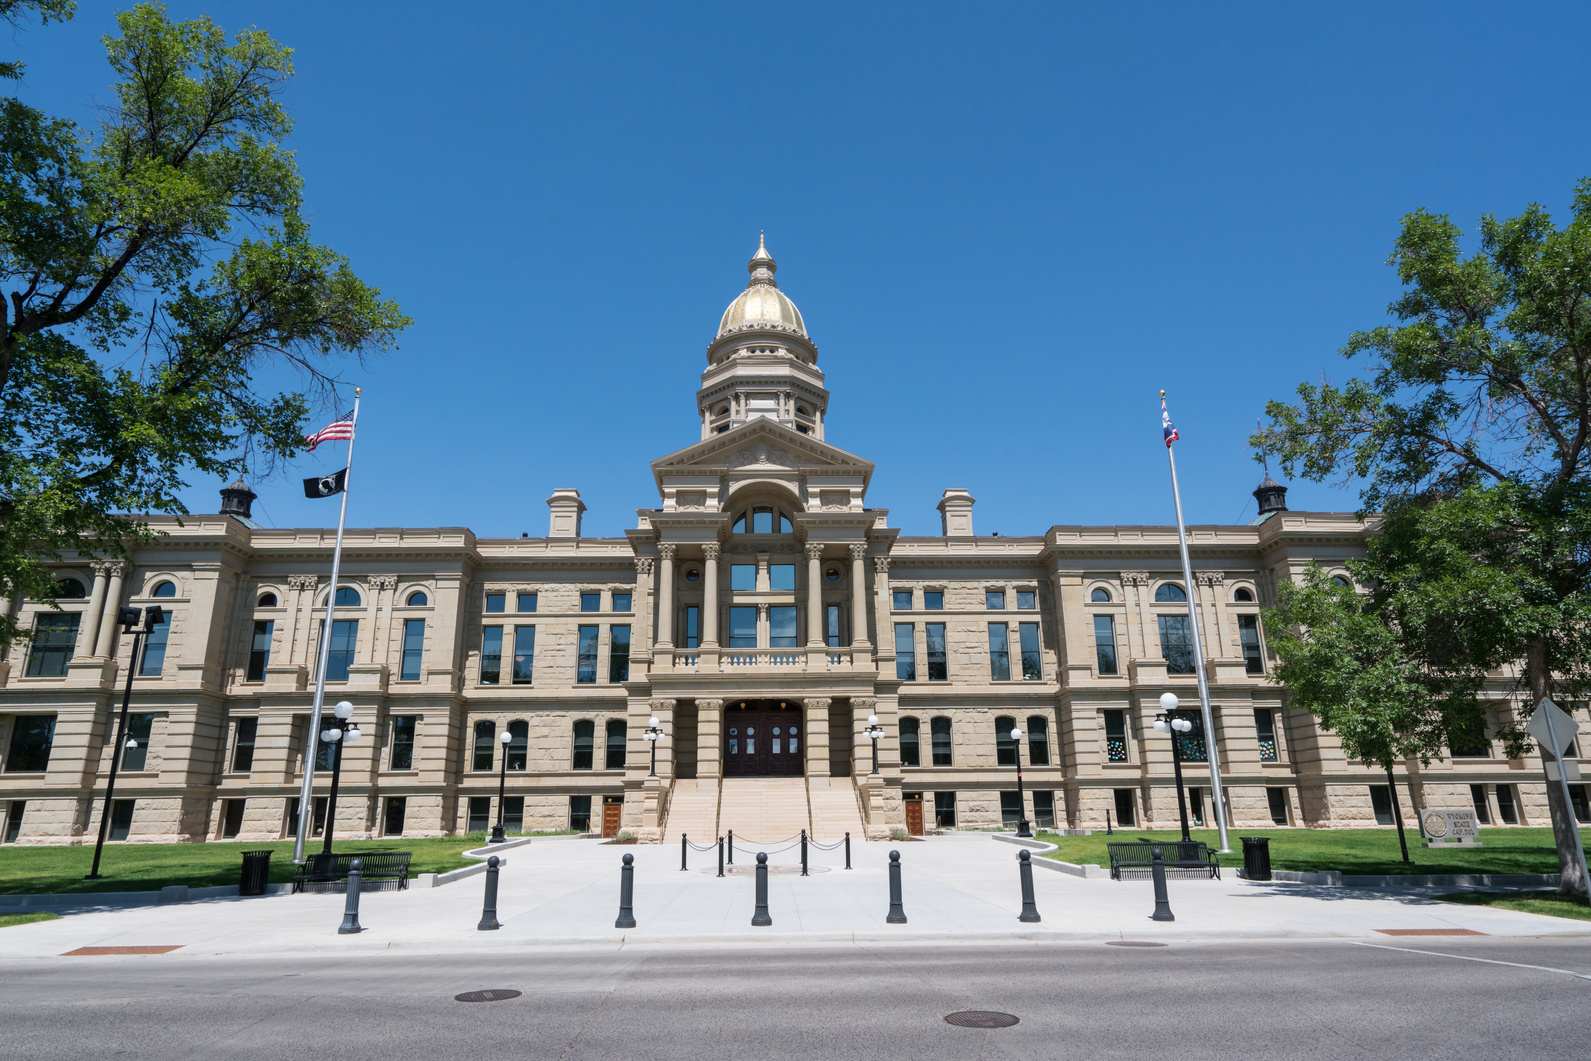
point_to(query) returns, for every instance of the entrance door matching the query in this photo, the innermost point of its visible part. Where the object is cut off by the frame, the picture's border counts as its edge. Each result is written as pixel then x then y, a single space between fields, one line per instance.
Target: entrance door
pixel 762 738
pixel 612 808
pixel 914 814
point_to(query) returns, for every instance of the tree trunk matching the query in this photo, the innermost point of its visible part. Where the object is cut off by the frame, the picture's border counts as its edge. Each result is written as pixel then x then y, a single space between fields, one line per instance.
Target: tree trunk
pixel 1565 830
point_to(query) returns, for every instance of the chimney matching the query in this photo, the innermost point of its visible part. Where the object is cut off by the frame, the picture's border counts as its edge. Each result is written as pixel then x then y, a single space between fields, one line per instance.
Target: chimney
pixel 1272 497
pixel 237 500
pixel 955 513
pixel 566 509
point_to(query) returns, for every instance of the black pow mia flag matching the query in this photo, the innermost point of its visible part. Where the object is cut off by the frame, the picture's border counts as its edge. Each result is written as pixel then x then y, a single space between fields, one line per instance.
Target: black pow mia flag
pixel 325 485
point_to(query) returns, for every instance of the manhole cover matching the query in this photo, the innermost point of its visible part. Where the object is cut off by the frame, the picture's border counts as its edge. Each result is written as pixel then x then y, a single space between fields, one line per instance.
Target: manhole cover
pixel 980 1018
pixel 1131 943
pixel 496 994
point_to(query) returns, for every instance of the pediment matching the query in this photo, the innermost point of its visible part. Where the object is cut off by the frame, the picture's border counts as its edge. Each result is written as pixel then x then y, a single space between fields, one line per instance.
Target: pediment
pixel 761 445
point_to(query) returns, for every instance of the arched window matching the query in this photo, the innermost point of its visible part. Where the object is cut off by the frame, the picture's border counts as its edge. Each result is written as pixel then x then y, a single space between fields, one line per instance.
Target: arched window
pixel 518 744
pixel 940 728
pixel 1169 593
pixel 585 731
pixel 1340 581
pixel 762 519
pixel 614 760
pixel 417 599
pixel 1038 740
pixel 1100 596
pixel 485 741
pixel 1004 746
pixel 1243 596
pixel 910 753
pixel 267 600
pixel 347 597
pixel 165 589
pixel 70 589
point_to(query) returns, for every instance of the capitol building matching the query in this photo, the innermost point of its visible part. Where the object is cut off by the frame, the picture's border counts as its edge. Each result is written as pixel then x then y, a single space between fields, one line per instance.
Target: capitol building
pixel 759 609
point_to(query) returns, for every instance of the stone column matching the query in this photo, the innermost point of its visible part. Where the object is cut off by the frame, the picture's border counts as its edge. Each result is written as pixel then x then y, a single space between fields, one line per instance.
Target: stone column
pixel 817 736
pixel 105 643
pixel 859 638
pixel 88 637
pixel 1135 584
pixel 709 739
pixel 665 599
pixel 300 617
pixel 8 608
pixel 814 595
pixel 884 609
pixel 382 589
pixel 710 554
pixel 641 648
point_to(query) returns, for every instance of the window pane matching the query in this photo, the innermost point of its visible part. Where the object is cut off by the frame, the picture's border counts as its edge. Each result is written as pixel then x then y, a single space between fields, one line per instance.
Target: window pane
pixel 524 654
pixel 762 521
pixel 1191 745
pixel 491 655
pixel 1027 599
pixel 1038 740
pixel 586 671
pixel 1044 810
pixel 413 649
pixel 584 732
pixel 403 742
pixel 1176 645
pixel 396 808
pixel 480 809
pixel 518 744
pixel 138 729
pixel 1116 736
pixel 999 653
pixel 1248 629
pixel 1032 670
pixel 485 745
pixel 940 728
pixel 831 625
pixel 938 670
pixel 344 636
pixel 495 601
pixel 580 813
pixel 1105 643
pixel 32 736
pixel 693 626
pixel 417 600
pixel 902 600
pixel 347 597
pixel 905 653
pixel 243 745
pixel 994 599
pixel 933 600
pixel 944 809
pixel 743 627
pixel 909 755
pixel 1169 593
pixel 155 646
pixel 260 650
pixel 614 759
pixel 591 602
pixel 1265 728
pixel 1004 746
pixel 619 654
pixel 621 602
pixel 1100 595
pixel 782 627
pixel 781 577
pixel 743 577
pixel 525 602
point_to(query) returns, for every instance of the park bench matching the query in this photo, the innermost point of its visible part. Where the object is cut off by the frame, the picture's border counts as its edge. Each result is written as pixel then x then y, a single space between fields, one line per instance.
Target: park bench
pixel 1190 860
pixel 327 872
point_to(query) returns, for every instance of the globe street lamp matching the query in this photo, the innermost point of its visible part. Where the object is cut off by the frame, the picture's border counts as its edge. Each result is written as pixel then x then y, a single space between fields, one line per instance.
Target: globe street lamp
pixel 1022 827
pixel 653 734
pixel 1170 723
pixel 498 836
pixel 128 617
pixel 872 733
pixel 338 731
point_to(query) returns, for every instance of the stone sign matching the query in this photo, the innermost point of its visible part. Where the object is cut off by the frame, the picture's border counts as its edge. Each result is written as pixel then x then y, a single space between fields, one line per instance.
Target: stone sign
pixel 1447 827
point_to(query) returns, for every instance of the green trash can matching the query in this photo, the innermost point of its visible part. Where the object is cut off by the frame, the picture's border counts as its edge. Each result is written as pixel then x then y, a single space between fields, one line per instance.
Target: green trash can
pixel 1256 857
pixel 256 871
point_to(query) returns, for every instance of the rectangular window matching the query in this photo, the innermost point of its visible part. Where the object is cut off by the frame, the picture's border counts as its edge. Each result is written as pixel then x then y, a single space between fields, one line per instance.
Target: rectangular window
pixel 413 650
pixel 1039 740
pixel 1265 727
pixel 325 754
pixel 397 809
pixel 1176 644
pixel 585 737
pixel 1277 798
pixel 1577 799
pixel 317 824
pixel 480 814
pixel 32 736
pixel 902 600
pixel 155 647
pixel 496 601
pixel 232 818
pixel 614 758
pixel 940 734
pixel 999 652
pixel 831 626
pixel 1105 643
pixel 1191 745
pixel 14 820
pixel 781 577
pixel 586 671
pixel 1116 736
pixel 1032 670
pixel 517 752
pixel 54 640
pixel 933 600
pixel 743 627
pixel 1506 809
pixel 619 654
pixel 782 627
pixel 491 655
pixel 403 742
pixel 513 814
pixel 743 577
pixel 121 819
pixel 580 813
pixel 260 650
pixel 1044 810
pixel 621 602
pixel 1124 807
pixel 934 638
pixel 524 654
pixel 910 754
pixel 1027 600
pixel 243 745
pixel 135 749
pixel 1004 746
pixel 1468 743
pixel 693 626
pixel 905 653
pixel 525 602
pixel 344 636
pixel 994 599
pixel 1477 796
pixel 485 750
pixel 591 602
pixel 1010 809
pixel 1381 804
pixel 945 810
pixel 1248 630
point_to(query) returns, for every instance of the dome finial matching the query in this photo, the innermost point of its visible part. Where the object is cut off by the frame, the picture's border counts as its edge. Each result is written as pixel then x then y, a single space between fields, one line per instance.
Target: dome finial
pixel 762 266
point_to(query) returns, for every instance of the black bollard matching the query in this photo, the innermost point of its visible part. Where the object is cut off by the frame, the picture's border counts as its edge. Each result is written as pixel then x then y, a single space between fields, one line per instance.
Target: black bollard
pixel 760 916
pixel 847 850
pixel 682 852
pixel 720 856
pixel 350 925
pixel 804 872
pixel 897 913
pixel 626 894
pixel 1157 869
pixel 1108 830
pixel 1030 912
pixel 489 908
pixel 731 847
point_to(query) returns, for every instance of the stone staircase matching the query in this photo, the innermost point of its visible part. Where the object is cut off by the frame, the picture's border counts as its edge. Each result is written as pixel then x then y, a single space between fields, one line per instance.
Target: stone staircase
pixel 692 810
pixel 834 809
pixel 766 809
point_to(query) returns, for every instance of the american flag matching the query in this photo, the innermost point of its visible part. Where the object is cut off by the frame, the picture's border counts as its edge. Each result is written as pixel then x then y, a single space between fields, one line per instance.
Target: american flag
pixel 340 429
pixel 1165 422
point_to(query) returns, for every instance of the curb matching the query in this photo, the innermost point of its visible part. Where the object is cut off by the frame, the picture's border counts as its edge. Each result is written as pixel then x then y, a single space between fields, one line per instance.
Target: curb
pixel 1088 870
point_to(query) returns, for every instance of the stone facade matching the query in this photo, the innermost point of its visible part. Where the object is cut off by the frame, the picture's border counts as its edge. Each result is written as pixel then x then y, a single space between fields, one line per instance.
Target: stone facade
pixel 760 576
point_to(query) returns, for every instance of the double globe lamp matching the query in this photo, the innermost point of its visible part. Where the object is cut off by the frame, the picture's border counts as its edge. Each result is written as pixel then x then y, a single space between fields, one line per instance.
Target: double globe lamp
pixel 1168 722
pixel 338 730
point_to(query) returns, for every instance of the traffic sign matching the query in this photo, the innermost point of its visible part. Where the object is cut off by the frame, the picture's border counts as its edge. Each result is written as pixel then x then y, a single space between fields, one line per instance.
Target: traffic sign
pixel 1562 731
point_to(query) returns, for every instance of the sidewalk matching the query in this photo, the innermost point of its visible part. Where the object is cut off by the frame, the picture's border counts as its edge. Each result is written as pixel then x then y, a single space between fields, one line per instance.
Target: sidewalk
pixel 957 888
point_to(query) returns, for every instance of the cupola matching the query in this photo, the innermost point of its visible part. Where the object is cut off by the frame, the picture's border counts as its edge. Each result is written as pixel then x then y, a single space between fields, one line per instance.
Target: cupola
pixel 237 500
pixel 1272 497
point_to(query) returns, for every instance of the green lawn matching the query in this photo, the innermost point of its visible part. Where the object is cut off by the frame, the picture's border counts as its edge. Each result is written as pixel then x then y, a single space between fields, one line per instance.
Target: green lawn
pixel 1550 903
pixel 1353 851
pixel 7 920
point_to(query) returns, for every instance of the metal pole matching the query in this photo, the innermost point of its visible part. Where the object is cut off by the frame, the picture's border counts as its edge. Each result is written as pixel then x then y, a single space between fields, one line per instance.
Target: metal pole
pixel 115 759
pixel 897 913
pixel 626 894
pixel 1176 764
pixel 720 856
pixel 653 743
pixel 1157 869
pixel 682 850
pixel 1397 814
pixel 1568 802
pixel 847 849
pixel 499 833
pixel 1198 662
pixel 731 847
pixel 1109 831
pixel 759 916
pixel 1030 911
pixel 306 790
pixel 489 920
pixel 875 755
pixel 356 875
pixel 804 872
pixel 1022 828
pixel 331 800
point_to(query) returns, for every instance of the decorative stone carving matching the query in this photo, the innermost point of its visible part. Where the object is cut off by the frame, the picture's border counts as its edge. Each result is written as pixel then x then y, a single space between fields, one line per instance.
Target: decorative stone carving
pixel 302 582
pixel 814 551
pixel 694 500
pixel 109 568
pixel 643 565
pixel 662 706
pixel 817 703
pixel 881 564
pixel 1135 578
pixel 858 550
pixel 864 703
pixel 383 581
pixel 1213 579
pixel 667 550
pixel 712 551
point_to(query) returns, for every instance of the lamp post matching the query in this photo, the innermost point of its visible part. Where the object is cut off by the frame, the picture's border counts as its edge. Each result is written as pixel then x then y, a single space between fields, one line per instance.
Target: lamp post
pixel 653 734
pixel 128 617
pixel 872 733
pixel 338 731
pixel 1022 827
pixel 498 836
pixel 1170 723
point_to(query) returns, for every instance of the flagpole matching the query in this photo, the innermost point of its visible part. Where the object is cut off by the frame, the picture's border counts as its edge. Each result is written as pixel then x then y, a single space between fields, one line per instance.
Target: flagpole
pixel 1198 656
pixel 306 803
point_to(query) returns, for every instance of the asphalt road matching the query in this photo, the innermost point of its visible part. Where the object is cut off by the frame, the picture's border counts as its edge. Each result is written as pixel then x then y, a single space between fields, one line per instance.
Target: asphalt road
pixel 1260 1000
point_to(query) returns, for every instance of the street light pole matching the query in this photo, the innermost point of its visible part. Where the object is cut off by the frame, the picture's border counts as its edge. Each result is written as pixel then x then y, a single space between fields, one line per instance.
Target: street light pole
pixel 1022 827
pixel 128 617
pixel 653 734
pixel 338 731
pixel 498 835
pixel 873 732
pixel 1170 723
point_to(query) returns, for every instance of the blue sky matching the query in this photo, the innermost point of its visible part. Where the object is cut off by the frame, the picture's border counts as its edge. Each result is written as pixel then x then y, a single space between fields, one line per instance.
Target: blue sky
pixel 1007 227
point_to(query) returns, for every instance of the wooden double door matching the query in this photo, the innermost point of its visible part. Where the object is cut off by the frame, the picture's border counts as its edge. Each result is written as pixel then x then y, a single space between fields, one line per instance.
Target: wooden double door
pixel 764 738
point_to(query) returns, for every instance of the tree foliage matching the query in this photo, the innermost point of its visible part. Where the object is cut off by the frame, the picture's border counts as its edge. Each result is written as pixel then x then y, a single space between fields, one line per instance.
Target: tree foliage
pixel 153 268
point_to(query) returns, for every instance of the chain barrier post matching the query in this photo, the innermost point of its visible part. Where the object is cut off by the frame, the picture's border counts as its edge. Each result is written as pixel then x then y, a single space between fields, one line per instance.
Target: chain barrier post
pixel 804 872
pixel 1157 868
pixel 720 856
pixel 626 894
pixel 759 916
pixel 489 907
pixel 731 847
pixel 897 913
pixel 1030 911
pixel 847 849
pixel 682 852
pixel 350 925
pixel 1108 830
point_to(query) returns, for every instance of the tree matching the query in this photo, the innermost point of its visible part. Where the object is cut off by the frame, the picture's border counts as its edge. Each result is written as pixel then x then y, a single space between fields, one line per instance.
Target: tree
pixel 153 268
pixel 1469 432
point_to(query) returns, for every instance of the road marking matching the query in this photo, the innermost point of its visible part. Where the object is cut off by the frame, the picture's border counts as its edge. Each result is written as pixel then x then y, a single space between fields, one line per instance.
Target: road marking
pixel 1467 958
